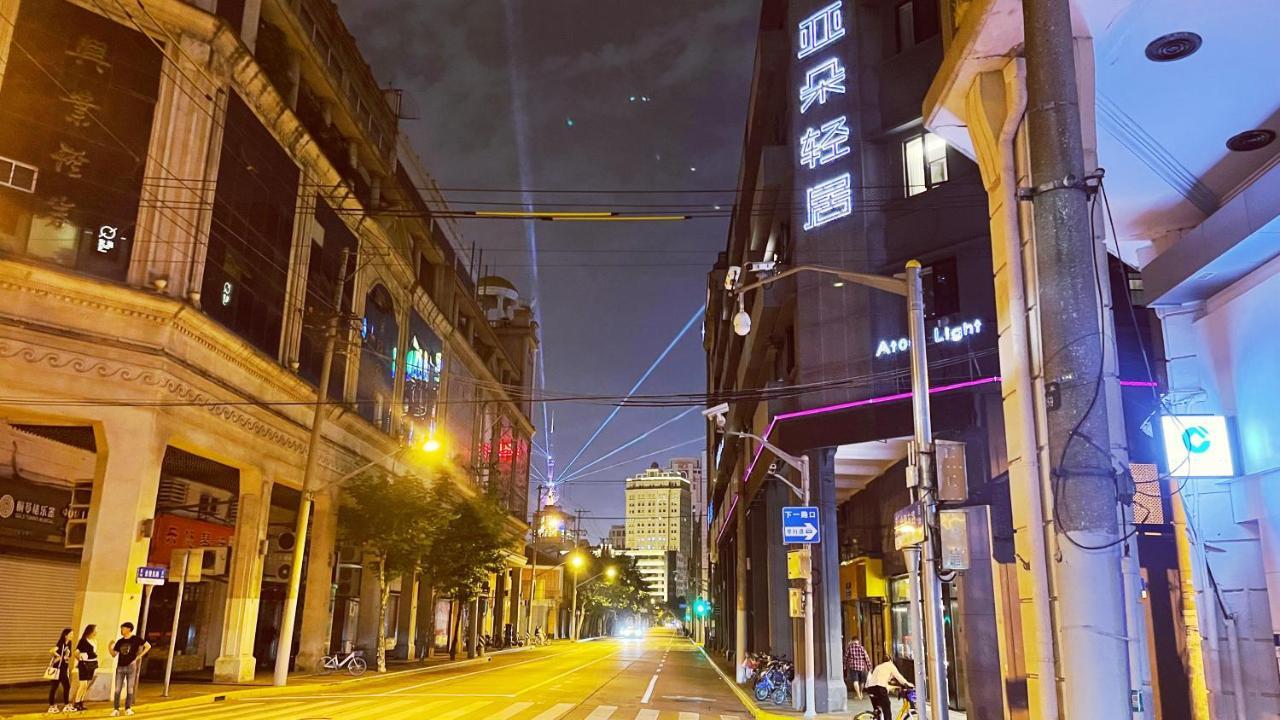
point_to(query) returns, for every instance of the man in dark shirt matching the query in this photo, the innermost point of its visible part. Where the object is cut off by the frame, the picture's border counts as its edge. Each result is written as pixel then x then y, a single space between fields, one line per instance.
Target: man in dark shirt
pixel 127 651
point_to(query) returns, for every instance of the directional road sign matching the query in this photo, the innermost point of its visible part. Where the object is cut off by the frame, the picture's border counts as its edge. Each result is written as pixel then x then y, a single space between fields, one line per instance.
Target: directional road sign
pixel 800 525
pixel 152 574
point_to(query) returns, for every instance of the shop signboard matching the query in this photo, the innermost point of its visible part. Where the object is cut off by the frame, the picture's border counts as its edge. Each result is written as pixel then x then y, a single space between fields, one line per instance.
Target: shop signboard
pixel 32 507
pixel 908 526
pixel 1197 446
pixel 172 532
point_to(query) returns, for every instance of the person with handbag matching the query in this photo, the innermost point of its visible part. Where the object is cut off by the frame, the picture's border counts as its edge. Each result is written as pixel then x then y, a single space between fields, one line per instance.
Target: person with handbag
pixel 86 665
pixel 59 672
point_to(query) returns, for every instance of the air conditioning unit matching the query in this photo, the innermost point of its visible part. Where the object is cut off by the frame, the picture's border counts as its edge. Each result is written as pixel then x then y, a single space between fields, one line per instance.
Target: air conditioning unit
pixel 283 542
pixel 277 567
pixel 348 580
pixel 213 562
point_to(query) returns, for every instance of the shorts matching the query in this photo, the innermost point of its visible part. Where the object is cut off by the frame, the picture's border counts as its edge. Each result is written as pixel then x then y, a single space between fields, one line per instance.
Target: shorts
pixel 858 676
pixel 85 670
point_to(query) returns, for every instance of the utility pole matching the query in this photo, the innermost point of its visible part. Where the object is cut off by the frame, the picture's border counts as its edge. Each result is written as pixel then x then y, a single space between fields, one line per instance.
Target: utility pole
pixel 925 492
pixel 533 574
pixel 1082 470
pixel 284 648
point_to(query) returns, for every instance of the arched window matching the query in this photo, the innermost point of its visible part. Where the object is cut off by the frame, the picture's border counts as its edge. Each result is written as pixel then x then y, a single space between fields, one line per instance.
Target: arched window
pixel 379 334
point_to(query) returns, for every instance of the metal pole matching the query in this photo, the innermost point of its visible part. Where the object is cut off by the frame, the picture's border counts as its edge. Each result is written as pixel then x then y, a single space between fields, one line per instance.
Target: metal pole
pixel 284 649
pixel 146 609
pixel 914 620
pixel 533 574
pixel 810 671
pixel 1078 356
pixel 740 582
pixel 173 632
pixel 931 586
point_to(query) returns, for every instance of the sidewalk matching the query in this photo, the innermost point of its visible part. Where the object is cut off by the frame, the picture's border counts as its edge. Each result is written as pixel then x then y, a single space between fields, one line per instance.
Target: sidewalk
pixel 27 702
pixel 769 711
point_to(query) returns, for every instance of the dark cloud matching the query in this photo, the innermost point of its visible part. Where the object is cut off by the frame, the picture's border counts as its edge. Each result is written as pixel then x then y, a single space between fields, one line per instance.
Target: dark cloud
pixel 583 60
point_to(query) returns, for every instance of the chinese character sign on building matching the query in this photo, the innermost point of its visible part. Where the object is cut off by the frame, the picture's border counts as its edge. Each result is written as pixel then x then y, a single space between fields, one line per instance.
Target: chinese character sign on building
pixel 824 141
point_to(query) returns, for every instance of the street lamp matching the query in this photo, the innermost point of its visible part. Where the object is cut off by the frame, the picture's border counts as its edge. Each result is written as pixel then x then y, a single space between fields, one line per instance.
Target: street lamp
pixel 430 446
pixel 929 587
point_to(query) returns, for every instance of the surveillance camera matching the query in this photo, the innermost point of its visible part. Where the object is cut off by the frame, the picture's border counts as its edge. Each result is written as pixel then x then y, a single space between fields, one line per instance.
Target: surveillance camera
pixel 731 277
pixel 763 267
pixel 717 413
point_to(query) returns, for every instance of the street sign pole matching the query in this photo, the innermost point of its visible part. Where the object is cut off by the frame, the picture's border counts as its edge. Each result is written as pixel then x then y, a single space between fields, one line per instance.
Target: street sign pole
pixel 810 672
pixel 177 612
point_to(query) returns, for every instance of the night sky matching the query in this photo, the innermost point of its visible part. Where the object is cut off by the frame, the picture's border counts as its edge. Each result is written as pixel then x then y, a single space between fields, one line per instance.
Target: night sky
pixel 584 95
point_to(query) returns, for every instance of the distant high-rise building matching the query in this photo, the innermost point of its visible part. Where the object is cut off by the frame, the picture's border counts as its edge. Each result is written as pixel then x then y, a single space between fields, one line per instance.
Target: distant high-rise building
pixel 617 537
pixel 695 540
pixel 657 529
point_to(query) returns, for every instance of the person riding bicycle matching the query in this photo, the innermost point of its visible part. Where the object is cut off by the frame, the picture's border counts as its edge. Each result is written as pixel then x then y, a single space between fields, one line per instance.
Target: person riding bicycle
pixel 878 683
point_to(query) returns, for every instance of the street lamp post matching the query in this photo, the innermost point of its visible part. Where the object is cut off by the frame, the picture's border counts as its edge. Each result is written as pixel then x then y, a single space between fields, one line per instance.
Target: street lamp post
pixel 577 561
pixel 929 588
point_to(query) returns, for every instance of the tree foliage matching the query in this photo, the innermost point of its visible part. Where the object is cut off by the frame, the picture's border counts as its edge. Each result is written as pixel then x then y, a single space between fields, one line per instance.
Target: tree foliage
pixel 477 538
pixel 398 521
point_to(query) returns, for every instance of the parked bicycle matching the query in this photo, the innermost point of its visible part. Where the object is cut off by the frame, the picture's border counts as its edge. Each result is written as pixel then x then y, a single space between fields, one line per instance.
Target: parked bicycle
pixel 775 682
pixel 353 663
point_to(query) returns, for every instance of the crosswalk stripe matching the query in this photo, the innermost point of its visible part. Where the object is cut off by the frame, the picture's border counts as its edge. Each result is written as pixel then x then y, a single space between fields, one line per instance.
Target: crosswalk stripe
pixel 730 717
pixel 511 710
pixel 603 712
pixel 460 711
pixel 647 715
pixel 224 711
pixel 555 712
pixel 688 716
pixel 390 707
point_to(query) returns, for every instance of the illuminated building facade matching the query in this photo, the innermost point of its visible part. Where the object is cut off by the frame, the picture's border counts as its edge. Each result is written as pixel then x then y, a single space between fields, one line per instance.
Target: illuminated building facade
pixel 179 188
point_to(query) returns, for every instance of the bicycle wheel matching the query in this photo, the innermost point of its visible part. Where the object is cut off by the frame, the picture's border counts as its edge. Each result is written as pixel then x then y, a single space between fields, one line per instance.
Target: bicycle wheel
pixel 327 664
pixel 781 696
pixel 762 692
pixel 357 666
pixel 865 715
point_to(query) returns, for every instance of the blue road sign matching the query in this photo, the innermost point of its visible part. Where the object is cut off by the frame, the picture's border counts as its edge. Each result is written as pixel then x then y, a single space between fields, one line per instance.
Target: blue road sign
pixel 152 575
pixel 800 525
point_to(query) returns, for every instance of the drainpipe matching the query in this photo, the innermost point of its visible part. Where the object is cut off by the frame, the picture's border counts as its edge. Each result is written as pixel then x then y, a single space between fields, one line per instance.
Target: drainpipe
pixel 1045 657
pixel 1237 677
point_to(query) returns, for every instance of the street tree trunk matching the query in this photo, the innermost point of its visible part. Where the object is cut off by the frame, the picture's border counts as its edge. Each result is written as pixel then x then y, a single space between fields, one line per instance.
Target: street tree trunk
pixel 384 597
pixel 431 617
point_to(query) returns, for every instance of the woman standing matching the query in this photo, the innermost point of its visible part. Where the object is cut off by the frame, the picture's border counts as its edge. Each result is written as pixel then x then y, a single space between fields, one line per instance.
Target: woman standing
pixel 87 665
pixel 61 665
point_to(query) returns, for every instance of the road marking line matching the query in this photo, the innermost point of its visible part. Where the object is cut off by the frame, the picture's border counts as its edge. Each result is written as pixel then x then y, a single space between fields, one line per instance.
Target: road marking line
pixel 603 712
pixel 458 711
pixel 688 716
pixel 450 678
pixel 566 673
pixel 730 717
pixel 555 712
pixel 649 692
pixel 511 710
pixel 647 715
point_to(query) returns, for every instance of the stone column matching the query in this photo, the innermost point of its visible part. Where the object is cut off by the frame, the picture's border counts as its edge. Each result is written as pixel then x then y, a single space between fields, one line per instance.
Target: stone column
pixel 833 696
pixel 516 601
pixel 499 606
pixel 781 626
pixel 317 600
pixel 235 663
pixel 407 632
pixel 131 445
pixel 370 598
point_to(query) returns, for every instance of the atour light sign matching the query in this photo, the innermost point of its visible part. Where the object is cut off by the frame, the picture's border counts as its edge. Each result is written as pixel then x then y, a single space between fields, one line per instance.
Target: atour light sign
pixel 824 142
pixel 941 334
pixel 1197 446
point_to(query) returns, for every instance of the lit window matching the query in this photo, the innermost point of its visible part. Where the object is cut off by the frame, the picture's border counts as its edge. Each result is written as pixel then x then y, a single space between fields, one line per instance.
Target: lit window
pixel 924 163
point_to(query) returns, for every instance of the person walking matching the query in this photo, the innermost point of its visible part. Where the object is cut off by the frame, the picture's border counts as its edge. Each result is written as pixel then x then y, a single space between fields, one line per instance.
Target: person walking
pixel 86 665
pixel 878 683
pixel 59 672
pixel 128 652
pixel 857 663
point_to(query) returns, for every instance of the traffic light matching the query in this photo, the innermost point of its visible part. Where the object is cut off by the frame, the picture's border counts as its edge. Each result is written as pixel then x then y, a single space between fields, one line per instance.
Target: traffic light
pixel 701 607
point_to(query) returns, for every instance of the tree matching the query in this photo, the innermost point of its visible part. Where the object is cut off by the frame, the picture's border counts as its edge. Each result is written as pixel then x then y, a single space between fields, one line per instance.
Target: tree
pixel 397 520
pixel 627 592
pixel 475 542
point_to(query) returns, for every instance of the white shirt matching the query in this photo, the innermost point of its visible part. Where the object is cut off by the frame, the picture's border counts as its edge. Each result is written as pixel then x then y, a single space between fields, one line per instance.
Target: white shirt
pixel 884 672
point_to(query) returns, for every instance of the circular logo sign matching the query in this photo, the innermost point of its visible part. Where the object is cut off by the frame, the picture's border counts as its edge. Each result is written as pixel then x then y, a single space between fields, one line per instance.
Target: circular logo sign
pixel 1196 439
pixel 6 507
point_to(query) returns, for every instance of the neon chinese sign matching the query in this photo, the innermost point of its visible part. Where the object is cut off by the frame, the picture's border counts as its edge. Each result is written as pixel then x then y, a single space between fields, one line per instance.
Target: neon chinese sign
pixel 828 198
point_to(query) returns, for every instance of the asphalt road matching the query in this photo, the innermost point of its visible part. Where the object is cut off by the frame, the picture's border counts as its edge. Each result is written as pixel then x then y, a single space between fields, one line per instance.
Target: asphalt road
pixel 661 677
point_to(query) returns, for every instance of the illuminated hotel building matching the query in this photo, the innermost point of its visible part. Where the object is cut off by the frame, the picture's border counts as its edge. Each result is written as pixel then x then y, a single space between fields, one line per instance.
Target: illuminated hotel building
pixel 838 170
pixel 180 186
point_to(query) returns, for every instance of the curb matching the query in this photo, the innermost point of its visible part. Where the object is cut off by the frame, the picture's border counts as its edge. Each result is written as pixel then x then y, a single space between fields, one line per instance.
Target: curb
pixel 747 701
pixel 270 691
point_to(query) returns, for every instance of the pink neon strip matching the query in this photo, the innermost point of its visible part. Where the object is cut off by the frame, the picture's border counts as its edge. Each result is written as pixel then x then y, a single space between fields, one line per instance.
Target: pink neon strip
pixel 869 401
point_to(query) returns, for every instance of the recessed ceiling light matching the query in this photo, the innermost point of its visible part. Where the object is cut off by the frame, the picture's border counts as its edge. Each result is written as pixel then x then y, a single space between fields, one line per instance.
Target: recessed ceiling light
pixel 1251 140
pixel 1173 46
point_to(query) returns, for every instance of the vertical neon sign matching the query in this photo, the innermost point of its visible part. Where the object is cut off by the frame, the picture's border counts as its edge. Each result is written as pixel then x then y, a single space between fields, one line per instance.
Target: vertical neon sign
pixel 828 197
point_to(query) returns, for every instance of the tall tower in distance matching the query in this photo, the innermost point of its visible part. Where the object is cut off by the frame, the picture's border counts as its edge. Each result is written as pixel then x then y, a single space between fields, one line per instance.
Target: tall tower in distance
pixel 657 529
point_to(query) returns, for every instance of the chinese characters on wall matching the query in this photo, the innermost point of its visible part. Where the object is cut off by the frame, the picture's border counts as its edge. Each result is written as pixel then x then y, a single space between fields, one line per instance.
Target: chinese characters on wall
pixel 825 139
